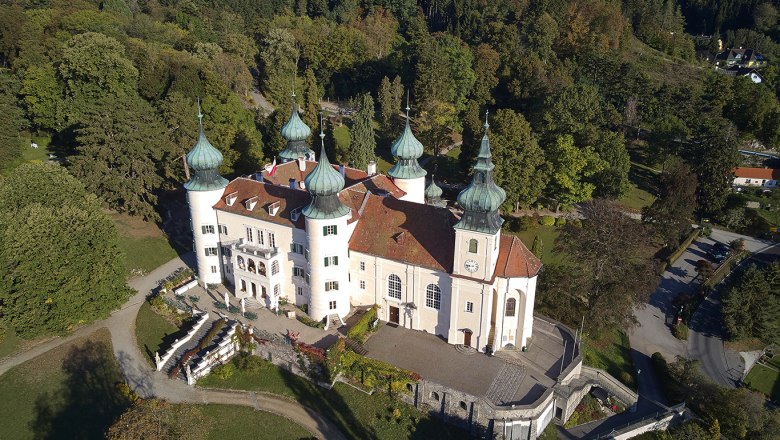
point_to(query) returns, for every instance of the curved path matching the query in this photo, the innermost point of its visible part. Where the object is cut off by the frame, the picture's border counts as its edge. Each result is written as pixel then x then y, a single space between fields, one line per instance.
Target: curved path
pixel 148 383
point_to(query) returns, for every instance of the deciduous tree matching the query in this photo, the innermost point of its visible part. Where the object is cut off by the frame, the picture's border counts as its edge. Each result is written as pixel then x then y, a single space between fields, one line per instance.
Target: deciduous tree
pixel 571 169
pixel 672 212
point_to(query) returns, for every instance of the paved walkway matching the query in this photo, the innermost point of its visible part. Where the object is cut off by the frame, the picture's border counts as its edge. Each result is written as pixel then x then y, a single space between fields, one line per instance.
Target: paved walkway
pixel 147 382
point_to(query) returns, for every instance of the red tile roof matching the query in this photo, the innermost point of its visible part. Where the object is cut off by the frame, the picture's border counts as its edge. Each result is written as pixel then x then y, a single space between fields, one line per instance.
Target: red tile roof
pixel 515 260
pixel 757 173
pixel 421 235
pixel 290 170
pixel 245 188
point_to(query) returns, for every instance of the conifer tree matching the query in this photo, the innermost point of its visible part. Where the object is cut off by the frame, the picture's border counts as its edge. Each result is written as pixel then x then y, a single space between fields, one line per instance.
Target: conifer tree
pixel 363 143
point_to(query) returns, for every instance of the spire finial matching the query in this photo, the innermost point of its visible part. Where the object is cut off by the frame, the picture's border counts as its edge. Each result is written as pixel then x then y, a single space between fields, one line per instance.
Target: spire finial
pixel 322 133
pixel 200 115
pixel 293 87
pixel 487 112
pixel 407 103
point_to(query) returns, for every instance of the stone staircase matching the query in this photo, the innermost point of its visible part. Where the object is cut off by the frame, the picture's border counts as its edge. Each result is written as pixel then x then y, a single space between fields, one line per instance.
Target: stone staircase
pixel 355 346
pixel 491 339
pixel 504 386
pixel 199 335
pixel 253 304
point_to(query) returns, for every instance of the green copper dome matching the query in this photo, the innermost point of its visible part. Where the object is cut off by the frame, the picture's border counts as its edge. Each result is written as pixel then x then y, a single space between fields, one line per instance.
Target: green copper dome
pixel 324 184
pixel 433 191
pixel 204 161
pixel 482 198
pixel 295 129
pixel 406 149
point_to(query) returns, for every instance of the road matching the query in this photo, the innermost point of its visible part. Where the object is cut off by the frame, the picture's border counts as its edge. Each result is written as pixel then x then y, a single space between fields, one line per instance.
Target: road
pixel 147 382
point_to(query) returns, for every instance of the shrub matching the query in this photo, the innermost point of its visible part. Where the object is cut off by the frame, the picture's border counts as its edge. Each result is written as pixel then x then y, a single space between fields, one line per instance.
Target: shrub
pixel 363 327
pixel 248 362
pixel 376 374
pixel 576 222
pixel 224 371
pixel 220 305
pixel 680 331
pixel 310 322
pixel 250 315
pixel 560 221
pixel 547 220
pixel 627 379
pixel 233 309
pixel 194 298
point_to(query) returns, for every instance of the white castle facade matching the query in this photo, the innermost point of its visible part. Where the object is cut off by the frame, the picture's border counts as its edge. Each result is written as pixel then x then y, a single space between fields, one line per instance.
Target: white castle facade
pixel 329 238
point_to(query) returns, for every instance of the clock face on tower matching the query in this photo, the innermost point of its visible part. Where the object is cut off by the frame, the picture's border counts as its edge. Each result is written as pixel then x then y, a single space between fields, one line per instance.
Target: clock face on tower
pixel 472 266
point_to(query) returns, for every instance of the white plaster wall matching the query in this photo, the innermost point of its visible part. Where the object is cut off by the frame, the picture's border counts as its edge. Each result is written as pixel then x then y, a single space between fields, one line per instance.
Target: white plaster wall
pixel 742 181
pixel 478 321
pixel 486 255
pixel 202 213
pixel 515 330
pixel 321 246
pixel 414 189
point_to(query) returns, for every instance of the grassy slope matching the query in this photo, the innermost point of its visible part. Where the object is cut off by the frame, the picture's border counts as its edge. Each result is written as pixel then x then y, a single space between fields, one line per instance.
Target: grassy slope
pixel 611 352
pixel 144 245
pixel 50 394
pixel 547 234
pixel 357 414
pixel 150 329
pixel 240 422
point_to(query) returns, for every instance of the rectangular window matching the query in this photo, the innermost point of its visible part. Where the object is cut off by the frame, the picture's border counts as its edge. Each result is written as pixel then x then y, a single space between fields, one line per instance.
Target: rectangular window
pixel 223 229
pixel 260 237
pixel 307 278
pixel 274 268
pixel 298 272
pixel 211 251
pixel 225 251
pixel 300 290
pixel 362 285
pixel 332 305
pixel 332 261
pixel 331 285
pixel 329 230
pixel 469 307
pixel 296 248
pixel 214 269
pixel 207 229
pixel 227 269
pixel 271 240
pixel 362 265
pixel 276 290
pixel 250 235
pixel 306 254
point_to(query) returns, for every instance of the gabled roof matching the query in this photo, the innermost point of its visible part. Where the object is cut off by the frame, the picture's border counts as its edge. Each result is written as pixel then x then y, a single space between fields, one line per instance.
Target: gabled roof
pixel 515 260
pixel 757 173
pixel 413 233
pixel 290 170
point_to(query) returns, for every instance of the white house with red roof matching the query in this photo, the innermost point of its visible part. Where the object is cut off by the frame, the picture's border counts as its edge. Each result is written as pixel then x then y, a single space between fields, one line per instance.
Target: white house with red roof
pixel 329 238
pixel 763 177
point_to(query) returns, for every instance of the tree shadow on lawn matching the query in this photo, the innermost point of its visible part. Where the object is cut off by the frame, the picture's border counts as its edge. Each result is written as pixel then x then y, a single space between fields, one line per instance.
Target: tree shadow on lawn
pixel 89 400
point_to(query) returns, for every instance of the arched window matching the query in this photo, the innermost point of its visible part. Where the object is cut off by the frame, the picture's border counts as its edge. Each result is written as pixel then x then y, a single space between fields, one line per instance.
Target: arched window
pixel 250 266
pixel 274 268
pixel 473 245
pixel 261 266
pixel 394 286
pixel 240 262
pixel 510 307
pixel 433 296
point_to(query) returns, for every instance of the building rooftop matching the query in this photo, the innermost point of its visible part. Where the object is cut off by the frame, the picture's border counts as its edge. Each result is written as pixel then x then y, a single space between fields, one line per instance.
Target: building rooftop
pixel 757 173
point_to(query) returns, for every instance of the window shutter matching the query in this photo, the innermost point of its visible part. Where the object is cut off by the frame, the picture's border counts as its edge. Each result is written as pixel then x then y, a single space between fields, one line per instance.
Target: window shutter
pixel 324 230
pixel 326 262
pixel 336 260
pixel 203 229
pixel 335 229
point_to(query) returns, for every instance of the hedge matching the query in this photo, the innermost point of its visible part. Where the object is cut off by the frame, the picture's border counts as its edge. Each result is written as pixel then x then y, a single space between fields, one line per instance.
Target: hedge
pixel 547 220
pixel 724 269
pixel 363 327
pixel 680 331
pixel 683 246
pixel 376 374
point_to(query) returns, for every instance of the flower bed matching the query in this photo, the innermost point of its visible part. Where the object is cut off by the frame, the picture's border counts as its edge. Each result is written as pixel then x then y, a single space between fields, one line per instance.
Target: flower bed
pixel 179 278
pixel 308 321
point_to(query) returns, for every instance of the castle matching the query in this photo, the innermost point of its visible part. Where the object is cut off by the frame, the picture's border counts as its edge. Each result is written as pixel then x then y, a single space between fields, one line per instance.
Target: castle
pixel 328 238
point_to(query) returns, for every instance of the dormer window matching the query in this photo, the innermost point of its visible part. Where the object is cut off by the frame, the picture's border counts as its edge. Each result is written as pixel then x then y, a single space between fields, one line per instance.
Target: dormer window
pixel 231 198
pixel 273 208
pixel 250 203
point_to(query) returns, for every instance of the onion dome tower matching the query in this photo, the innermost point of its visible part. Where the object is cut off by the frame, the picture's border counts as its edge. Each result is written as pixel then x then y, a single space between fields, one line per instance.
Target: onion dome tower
pixel 328 235
pixel 407 173
pixel 295 131
pixel 204 190
pixel 478 233
pixel 482 198
pixel 433 194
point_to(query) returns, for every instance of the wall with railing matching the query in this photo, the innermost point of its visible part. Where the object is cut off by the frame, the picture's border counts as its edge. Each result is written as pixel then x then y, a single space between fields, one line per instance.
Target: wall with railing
pixel 160 361
pixel 658 421
pixel 609 383
pixel 224 347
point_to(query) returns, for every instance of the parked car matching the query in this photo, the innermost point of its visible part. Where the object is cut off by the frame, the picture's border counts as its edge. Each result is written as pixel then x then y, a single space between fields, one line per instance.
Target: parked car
pixel 719 252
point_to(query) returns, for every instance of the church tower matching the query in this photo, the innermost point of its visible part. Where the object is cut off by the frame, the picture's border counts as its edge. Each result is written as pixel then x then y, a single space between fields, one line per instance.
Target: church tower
pixel 295 131
pixel 407 173
pixel 204 190
pixel 328 239
pixel 478 232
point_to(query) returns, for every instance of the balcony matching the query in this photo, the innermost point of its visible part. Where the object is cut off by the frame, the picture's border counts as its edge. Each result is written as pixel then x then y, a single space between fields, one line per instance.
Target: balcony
pixel 249 249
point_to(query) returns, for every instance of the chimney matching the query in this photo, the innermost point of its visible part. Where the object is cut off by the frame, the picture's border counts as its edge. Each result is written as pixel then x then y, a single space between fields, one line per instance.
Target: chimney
pixel 371 168
pixel 341 170
pixel 292 183
pixel 301 163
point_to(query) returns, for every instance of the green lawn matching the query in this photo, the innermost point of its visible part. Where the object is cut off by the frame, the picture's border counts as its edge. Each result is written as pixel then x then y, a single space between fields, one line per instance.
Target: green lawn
pixel 40 154
pixel 144 245
pixel 765 380
pixel 240 422
pixel 359 415
pixel 636 198
pixel 547 234
pixel 341 136
pixel 610 352
pixel 150 330
pixel 9 342
pixel 68 392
